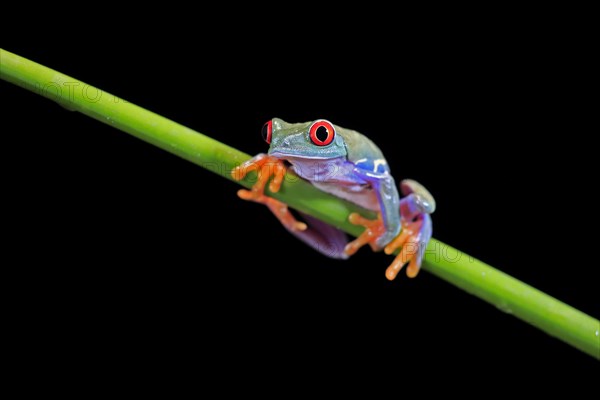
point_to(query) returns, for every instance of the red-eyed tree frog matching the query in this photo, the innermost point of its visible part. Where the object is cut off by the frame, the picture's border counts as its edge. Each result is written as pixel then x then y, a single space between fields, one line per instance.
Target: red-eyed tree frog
pixel 346 164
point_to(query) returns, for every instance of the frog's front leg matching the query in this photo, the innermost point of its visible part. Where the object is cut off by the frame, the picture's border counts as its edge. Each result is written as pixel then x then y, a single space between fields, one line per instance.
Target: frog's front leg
pixel 416 228
pixel 386 227
pixel 267 167
pixel 415 208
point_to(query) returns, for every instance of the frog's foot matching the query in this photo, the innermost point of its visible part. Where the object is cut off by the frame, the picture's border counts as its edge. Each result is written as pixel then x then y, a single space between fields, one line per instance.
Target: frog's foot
pixel 412 242
pixel 267 167
pixel 374 229
pixel 416 229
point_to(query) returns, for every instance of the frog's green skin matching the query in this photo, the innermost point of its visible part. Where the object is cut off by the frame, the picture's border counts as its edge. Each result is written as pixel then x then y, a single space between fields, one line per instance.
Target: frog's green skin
pixel 351 167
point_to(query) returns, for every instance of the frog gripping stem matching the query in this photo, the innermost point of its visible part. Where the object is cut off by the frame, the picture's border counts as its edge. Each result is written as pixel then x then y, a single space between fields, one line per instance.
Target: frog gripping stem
pixel 345 163
pixel 412 239
pixel 416 231
pixel 267 167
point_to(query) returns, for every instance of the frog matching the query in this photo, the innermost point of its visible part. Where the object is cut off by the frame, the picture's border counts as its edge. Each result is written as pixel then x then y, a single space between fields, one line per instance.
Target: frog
pixel 348 165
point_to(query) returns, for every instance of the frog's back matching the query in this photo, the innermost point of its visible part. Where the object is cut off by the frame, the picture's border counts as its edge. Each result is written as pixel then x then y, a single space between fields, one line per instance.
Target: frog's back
pixel 363 152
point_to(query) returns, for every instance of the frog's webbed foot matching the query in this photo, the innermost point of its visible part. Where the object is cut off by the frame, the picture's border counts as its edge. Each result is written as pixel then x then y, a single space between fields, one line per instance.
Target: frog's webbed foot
pixel 267 167
pixel 414 235
pixel 374 229
pixel 412 242
pixel 416 230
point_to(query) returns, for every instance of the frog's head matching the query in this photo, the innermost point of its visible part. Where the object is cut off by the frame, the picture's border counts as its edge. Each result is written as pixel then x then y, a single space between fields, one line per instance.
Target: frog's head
pixel 314 140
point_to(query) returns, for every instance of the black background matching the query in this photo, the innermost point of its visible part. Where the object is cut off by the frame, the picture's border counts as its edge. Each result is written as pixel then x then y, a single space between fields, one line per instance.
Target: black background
pixel 120 230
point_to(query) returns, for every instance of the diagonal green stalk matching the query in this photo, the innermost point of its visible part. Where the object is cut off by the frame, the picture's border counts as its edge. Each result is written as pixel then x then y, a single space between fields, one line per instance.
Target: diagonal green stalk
pixel 507 293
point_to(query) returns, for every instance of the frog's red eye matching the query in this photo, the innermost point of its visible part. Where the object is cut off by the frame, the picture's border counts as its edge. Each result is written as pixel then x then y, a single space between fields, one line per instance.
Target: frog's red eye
pixel 267 131
pixel 322 133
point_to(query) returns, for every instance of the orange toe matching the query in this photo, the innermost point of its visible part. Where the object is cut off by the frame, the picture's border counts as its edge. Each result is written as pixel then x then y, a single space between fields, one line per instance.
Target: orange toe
pixel 373 230
pixel 409 254
pixel 278 175
pixel 397 242
pixel 240 172
pixel 246 194
pixel 414 266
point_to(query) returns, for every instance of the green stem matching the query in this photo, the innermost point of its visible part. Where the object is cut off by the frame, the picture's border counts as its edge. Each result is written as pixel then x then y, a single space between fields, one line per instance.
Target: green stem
pixel 505 292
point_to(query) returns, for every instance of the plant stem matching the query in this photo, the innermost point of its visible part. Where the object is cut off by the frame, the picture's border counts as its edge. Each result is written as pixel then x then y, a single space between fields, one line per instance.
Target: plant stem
pixel 505 292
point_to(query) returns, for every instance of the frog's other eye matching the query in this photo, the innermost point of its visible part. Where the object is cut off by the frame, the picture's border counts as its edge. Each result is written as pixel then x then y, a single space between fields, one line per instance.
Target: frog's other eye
pixel 267 131
pixel 322 133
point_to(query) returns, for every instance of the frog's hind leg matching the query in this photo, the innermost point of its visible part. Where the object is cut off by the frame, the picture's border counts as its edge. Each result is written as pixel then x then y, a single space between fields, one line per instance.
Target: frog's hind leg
pixel 317 234
pixel 322 237
pixel 415 208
